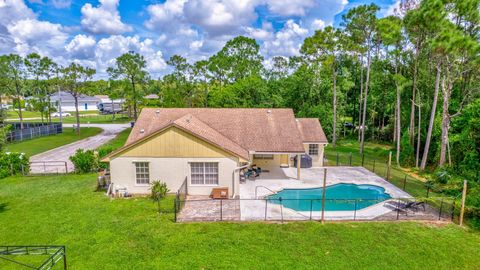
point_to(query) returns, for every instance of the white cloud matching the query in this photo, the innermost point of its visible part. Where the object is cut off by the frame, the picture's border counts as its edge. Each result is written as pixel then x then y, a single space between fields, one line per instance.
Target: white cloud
pixel 290 7
pixel 81 46
pixel 285 42
pixel 34 35
pixel 104 19
pixel 108 49
pixel 217 17
pixel 318 24
pixel 164 16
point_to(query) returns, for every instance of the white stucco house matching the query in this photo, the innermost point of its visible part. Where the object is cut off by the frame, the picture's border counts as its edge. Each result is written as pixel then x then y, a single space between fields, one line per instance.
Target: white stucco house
pixel 66 101
pixel 207 148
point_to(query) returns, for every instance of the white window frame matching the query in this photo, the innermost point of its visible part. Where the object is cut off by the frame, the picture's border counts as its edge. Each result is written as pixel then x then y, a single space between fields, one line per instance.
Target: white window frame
pixel 205 171
pixel 313 147
pixel 146 171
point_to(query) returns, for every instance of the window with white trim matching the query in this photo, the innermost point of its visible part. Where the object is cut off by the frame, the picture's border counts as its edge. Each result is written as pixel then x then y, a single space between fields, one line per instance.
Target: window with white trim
pixel 142 173
pixel 313 149
pixel 204 173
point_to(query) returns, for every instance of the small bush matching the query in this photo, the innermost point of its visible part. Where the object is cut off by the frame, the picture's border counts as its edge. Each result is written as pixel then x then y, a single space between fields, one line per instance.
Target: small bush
pixel 85 161
pixel 103 151
pixel 12 164
pixel 159 191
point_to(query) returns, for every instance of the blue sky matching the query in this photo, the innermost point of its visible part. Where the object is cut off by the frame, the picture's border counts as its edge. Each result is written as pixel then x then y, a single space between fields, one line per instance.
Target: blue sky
pixel 94 33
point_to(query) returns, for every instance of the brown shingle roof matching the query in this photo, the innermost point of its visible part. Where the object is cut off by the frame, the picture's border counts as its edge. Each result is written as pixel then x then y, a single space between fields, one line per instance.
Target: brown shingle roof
pixel 193 125
pixel 260 130
pixel 311 130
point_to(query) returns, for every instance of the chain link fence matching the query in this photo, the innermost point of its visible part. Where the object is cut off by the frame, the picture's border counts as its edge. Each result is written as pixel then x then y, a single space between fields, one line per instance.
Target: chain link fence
pixel 32 130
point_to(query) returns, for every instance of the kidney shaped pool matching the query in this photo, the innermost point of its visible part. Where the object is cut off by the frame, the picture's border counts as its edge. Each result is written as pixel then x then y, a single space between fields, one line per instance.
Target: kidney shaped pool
pixel 339 197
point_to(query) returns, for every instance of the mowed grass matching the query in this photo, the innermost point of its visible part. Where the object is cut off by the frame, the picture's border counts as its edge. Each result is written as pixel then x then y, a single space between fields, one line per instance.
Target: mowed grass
pixel 104 233
pixel 375 160
pixel 42 144
pixel 13 114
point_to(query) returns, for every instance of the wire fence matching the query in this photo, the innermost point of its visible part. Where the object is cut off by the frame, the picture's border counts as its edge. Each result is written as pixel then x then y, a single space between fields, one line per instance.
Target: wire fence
pixel 286 209
pixel 32 130
pixel 45 168
pixel 380 167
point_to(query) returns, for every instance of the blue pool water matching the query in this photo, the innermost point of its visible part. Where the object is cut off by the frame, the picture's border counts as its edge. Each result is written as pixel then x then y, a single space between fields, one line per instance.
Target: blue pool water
pixel 339 197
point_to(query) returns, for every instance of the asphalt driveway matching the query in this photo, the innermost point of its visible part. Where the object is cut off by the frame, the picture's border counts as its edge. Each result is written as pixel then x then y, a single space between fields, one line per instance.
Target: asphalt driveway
pixel 53 161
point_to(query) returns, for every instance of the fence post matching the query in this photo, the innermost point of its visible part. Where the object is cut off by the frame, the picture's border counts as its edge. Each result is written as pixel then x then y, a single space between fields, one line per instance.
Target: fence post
pixel 350 159
pixel 464 195
pixel 175 209
pixel 440 212
pixel 221 209
pixel 337 158
pixel 266 203
pixel 311 207
pixel 398 208
pixel 453 210
pixel 66 168
pixel 323 194
pixel 404 182
pixel 355 213
pixel 363 158
pixel 389 165
pixel 374 166
pixel 281 207
pixel 428 191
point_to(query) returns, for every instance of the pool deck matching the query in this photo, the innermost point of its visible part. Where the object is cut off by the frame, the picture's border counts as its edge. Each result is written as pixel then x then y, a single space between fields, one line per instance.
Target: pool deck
pixel 284 178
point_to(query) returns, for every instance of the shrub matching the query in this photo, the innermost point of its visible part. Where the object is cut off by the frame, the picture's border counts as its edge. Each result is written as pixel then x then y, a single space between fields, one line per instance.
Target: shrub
pixel 85 161
pixel 12 164
pixel 159 191
pixel 103 151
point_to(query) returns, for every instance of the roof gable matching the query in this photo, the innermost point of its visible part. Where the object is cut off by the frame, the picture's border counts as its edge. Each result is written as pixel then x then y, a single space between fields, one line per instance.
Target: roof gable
pixel 311 130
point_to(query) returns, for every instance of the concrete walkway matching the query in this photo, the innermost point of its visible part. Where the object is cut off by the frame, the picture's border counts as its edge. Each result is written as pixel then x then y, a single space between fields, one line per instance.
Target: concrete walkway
pixel 61 154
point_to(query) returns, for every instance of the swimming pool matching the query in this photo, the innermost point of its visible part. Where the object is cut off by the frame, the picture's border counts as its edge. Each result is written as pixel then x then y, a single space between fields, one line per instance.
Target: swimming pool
pixel 339 197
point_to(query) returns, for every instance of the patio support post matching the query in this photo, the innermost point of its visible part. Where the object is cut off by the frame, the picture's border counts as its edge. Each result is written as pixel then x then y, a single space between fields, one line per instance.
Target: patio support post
pixel 324 193
pixel 299 161
pixel 464 195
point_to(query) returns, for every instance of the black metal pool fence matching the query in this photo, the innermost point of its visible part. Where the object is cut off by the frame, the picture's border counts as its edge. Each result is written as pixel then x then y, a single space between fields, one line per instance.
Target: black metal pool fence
pixel 32 130
pixel 279 209
pixel 384 169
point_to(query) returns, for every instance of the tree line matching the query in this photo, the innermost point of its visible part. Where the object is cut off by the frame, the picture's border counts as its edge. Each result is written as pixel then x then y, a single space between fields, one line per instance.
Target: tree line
pixel 411 79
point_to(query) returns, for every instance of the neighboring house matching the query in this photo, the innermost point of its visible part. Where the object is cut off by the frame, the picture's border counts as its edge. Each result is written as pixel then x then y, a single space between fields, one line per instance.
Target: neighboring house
pixel 67 102
pixel 210 147
pixel 108 106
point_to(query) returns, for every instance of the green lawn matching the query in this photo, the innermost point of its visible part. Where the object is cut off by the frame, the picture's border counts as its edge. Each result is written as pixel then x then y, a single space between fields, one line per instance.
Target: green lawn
pixel 101 233
pixel 42 144
pixel 376 157
pixel 97 119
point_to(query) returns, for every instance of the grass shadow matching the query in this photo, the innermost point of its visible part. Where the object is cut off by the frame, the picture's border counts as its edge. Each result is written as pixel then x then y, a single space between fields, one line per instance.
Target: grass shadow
pixel 3 207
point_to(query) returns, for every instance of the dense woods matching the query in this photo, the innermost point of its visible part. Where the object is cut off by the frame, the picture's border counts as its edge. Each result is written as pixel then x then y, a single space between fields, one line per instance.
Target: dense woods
pixel 410 79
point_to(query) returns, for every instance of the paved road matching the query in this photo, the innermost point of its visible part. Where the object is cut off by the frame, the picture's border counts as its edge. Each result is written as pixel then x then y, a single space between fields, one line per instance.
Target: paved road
pixel 61 154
